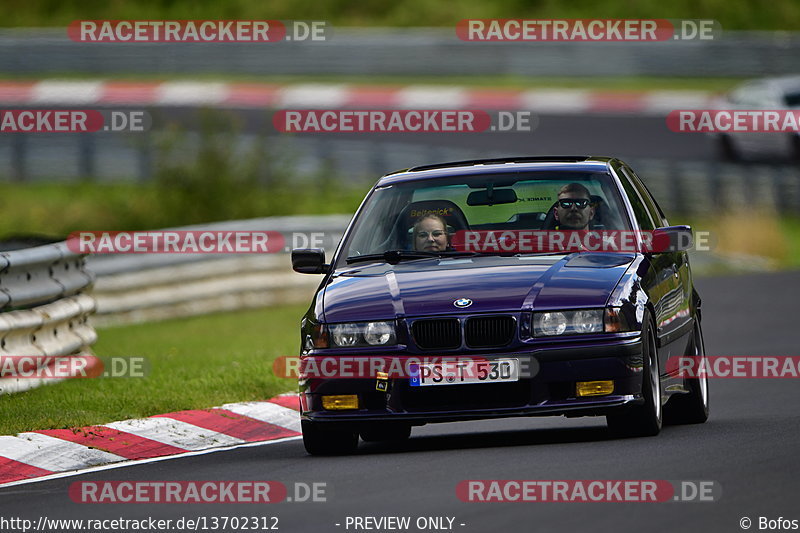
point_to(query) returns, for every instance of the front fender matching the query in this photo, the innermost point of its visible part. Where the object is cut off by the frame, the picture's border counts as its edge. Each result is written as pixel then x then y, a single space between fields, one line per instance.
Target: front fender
pixel 629 294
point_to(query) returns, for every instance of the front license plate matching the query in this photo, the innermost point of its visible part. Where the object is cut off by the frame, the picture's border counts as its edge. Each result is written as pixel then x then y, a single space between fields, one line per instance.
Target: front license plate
pixel 464 372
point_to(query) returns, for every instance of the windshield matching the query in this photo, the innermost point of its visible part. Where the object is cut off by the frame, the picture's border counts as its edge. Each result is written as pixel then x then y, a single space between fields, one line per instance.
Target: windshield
pixel 419 219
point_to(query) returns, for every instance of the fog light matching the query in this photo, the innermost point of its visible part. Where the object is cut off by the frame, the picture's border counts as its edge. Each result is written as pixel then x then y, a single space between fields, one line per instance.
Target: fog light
pixel 340 402
pixel 594 388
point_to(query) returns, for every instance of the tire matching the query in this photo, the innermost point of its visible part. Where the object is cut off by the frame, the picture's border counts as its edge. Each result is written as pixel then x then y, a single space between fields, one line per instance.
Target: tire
pixel 385 432
pixel 691 408
pixel 643 420
pixel 727 149
pixel 328 438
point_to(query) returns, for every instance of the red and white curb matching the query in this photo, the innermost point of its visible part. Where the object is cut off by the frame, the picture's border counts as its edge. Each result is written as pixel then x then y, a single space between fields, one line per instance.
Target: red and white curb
pixel 46 452
pixel 325 96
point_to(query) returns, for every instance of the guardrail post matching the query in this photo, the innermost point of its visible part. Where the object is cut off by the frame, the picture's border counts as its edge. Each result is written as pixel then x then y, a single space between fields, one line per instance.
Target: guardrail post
pixel 327 161
pixel 86 156
pixel 675 178
pixel 377 157
pixel 19 150
pixel 145 160
pixel 715 185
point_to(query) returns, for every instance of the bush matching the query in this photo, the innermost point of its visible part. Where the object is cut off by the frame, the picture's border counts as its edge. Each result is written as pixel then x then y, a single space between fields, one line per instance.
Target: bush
pixel 214 175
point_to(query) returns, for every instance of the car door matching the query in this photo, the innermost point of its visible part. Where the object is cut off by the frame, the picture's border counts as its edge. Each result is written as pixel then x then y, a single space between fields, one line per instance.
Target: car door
pixel 663 283
pixel 680 259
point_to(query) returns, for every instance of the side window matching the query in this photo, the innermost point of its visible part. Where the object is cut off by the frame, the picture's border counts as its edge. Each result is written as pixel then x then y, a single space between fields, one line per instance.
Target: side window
pixel 659 212
pixel 644 221
pixel 650 204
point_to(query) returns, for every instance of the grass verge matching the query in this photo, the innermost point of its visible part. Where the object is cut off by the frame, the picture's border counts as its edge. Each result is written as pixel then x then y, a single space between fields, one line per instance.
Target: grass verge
pixel 761 236
pixel 28 207
pixel 193 363
pixel 197 178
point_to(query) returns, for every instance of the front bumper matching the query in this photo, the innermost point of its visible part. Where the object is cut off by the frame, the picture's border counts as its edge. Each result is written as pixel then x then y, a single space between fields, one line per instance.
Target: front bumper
pixel 548 390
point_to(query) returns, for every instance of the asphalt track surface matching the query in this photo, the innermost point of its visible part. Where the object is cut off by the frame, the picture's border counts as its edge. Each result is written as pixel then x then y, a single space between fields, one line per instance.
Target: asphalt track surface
pixel 749 447
pixel 613 134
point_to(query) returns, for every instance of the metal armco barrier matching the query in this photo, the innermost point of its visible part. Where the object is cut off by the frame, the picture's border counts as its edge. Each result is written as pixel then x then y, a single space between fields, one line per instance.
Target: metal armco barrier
pixel 40 274
pixel 674 181
pixel 43 308
pixel 143 287
pixel 407 52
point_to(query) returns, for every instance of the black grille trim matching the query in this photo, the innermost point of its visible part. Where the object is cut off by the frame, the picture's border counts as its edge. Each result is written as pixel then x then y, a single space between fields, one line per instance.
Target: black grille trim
pixel 490 331
pixel 437 334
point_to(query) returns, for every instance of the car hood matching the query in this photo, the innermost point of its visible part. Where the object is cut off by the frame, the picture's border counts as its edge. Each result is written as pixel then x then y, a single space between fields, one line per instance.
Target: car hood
pixel 431 286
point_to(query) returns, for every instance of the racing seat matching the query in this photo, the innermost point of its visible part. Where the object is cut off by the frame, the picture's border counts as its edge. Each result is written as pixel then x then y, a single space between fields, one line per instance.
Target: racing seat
pixel 404 224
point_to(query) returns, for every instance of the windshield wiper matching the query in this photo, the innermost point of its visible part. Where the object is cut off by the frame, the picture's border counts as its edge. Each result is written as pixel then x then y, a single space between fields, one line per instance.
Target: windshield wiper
pixel 393 256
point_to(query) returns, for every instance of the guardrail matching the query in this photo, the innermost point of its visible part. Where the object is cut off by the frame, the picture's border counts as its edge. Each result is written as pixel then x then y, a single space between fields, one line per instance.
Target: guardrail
pixel 143 287
pixel 406 52
pixel 47 293
pixel 43 308
pixel 676 182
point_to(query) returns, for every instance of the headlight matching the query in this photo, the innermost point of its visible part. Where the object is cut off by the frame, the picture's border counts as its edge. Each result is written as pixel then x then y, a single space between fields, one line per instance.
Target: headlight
pixel 553 323
pixel 588 321
pixel 379 333
pixel 345 334
pixel 363 334
pixel 550 323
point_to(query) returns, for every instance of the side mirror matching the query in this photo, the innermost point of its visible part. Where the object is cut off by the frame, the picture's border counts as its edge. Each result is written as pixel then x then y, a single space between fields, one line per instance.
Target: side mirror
pixel 309 261
pixel 670 239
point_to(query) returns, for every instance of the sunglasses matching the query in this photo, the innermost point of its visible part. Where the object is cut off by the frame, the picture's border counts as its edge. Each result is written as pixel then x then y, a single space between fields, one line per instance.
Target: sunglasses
pixel 580 203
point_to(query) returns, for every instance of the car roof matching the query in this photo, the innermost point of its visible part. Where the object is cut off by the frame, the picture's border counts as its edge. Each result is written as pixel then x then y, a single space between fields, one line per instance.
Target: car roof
pixel 499 166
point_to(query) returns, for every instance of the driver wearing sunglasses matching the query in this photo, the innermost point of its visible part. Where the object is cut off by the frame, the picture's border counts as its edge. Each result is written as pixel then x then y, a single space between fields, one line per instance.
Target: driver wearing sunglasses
pixel 574 211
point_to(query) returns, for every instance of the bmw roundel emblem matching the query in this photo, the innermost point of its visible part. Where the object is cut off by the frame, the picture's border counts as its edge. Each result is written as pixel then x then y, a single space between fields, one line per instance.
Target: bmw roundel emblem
pixel 462 303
